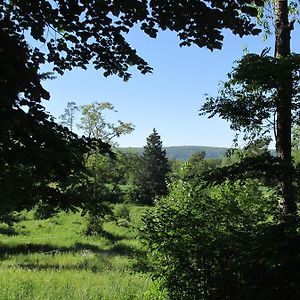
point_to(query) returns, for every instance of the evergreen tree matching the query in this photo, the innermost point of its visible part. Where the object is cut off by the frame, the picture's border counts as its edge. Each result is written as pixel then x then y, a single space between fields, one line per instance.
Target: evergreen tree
pixel 153 171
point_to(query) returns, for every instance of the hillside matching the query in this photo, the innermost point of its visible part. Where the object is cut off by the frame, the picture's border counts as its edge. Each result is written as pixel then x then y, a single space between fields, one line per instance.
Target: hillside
pixel 184 152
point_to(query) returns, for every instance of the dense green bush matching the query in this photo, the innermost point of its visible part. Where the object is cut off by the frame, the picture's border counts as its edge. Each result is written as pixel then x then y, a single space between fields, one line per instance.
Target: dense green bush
pixel 222 242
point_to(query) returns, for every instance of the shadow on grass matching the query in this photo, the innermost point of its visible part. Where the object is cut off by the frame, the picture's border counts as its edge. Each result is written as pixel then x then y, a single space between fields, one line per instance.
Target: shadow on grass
pixel 115 250
pixel 102 256
pixel 101 260
pixel 6 250
pixel 112 237
pixel 9 231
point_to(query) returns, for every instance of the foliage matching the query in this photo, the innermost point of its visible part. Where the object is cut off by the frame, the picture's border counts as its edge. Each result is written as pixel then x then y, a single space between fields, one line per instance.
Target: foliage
pixel 153 170
pixel 93 123
pixel 127 166
pixel 296 144
pixel 175 166
pixel 248 100
pixel 103 179
pixel 252 161
pixel 222 243
pixel 81 31
pixel 32 170
pixel 199 167
pixel 94 225
pixel 38 158
pixel 112 178
pixel 261 98
pixel 44 211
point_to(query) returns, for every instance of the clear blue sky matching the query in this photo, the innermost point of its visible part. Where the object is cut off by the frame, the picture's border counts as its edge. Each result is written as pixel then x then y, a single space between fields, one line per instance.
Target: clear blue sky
pixel 170 98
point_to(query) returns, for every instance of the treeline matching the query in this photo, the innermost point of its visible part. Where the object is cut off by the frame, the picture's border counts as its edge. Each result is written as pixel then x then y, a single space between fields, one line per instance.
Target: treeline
pixel 184 152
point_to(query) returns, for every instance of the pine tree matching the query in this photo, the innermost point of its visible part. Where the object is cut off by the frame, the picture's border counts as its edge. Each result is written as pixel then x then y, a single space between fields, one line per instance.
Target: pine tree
pixel 153 170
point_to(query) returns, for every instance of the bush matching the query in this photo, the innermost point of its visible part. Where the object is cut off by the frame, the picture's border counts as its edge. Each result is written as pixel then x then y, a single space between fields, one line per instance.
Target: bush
pixel 222 243
pixel 130 193
pixel 122 214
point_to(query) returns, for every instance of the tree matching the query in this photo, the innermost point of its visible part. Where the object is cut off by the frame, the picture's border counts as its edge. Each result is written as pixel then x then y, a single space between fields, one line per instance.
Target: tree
pixel 197 163
pixel 153 171
pixel 262 95
pixel 67 118
pixel 126 170
pixel 102 183
pixel 284 105
pixel 93 123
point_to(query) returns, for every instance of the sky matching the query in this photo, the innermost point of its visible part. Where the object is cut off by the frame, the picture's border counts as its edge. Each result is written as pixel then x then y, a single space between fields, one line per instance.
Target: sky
pixel 167 100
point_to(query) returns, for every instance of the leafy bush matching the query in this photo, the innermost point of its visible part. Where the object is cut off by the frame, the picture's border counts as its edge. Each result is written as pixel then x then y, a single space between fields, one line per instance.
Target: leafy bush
pixel 222 243
pixel 130 193
pixel 122 214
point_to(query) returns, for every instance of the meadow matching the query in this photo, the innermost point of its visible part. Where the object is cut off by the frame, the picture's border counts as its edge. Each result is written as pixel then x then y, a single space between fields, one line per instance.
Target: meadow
pixel 53 258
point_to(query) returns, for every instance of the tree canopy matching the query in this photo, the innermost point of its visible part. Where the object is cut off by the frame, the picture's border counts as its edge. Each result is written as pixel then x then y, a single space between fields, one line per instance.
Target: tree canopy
pixel 75 33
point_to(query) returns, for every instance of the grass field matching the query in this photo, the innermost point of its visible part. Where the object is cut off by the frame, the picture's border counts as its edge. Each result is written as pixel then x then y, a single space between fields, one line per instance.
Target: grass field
pixel 53 259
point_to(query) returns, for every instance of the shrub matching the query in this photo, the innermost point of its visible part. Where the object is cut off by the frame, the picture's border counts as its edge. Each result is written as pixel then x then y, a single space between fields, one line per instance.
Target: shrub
pixel 221 243
pixel 122 214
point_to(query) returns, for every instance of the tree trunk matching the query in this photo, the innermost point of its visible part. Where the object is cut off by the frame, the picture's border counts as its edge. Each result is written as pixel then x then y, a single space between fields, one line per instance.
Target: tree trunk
pixel 284 112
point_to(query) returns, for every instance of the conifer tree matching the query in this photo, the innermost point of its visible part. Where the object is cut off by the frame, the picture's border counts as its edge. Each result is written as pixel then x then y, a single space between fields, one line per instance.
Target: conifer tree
pixel 153 170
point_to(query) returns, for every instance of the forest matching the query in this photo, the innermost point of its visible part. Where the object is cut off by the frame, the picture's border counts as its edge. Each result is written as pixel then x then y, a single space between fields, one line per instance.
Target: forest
pixel 82 218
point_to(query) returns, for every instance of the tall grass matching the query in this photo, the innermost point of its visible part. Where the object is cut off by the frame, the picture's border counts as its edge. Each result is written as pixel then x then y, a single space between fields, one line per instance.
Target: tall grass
pixel 52 259
pixel 19 283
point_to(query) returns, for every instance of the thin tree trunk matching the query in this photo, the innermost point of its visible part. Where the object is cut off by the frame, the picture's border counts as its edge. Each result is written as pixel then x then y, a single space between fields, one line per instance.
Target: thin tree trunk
pixel 284 112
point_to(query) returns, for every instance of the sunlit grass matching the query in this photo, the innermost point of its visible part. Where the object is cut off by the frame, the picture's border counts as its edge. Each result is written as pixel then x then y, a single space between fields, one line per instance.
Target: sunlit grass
pixel 53 259
pixel 75 284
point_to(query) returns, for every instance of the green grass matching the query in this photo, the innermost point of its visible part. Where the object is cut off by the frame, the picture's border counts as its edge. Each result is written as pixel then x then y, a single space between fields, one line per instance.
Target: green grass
pixel 52 259
pixel 72 284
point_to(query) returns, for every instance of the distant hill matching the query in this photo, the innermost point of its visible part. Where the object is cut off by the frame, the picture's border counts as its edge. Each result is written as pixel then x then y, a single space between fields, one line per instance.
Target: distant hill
pixel 184 152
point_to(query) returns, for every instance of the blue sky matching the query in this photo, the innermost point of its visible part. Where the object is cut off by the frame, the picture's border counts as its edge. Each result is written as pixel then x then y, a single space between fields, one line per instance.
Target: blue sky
pixel 169 99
